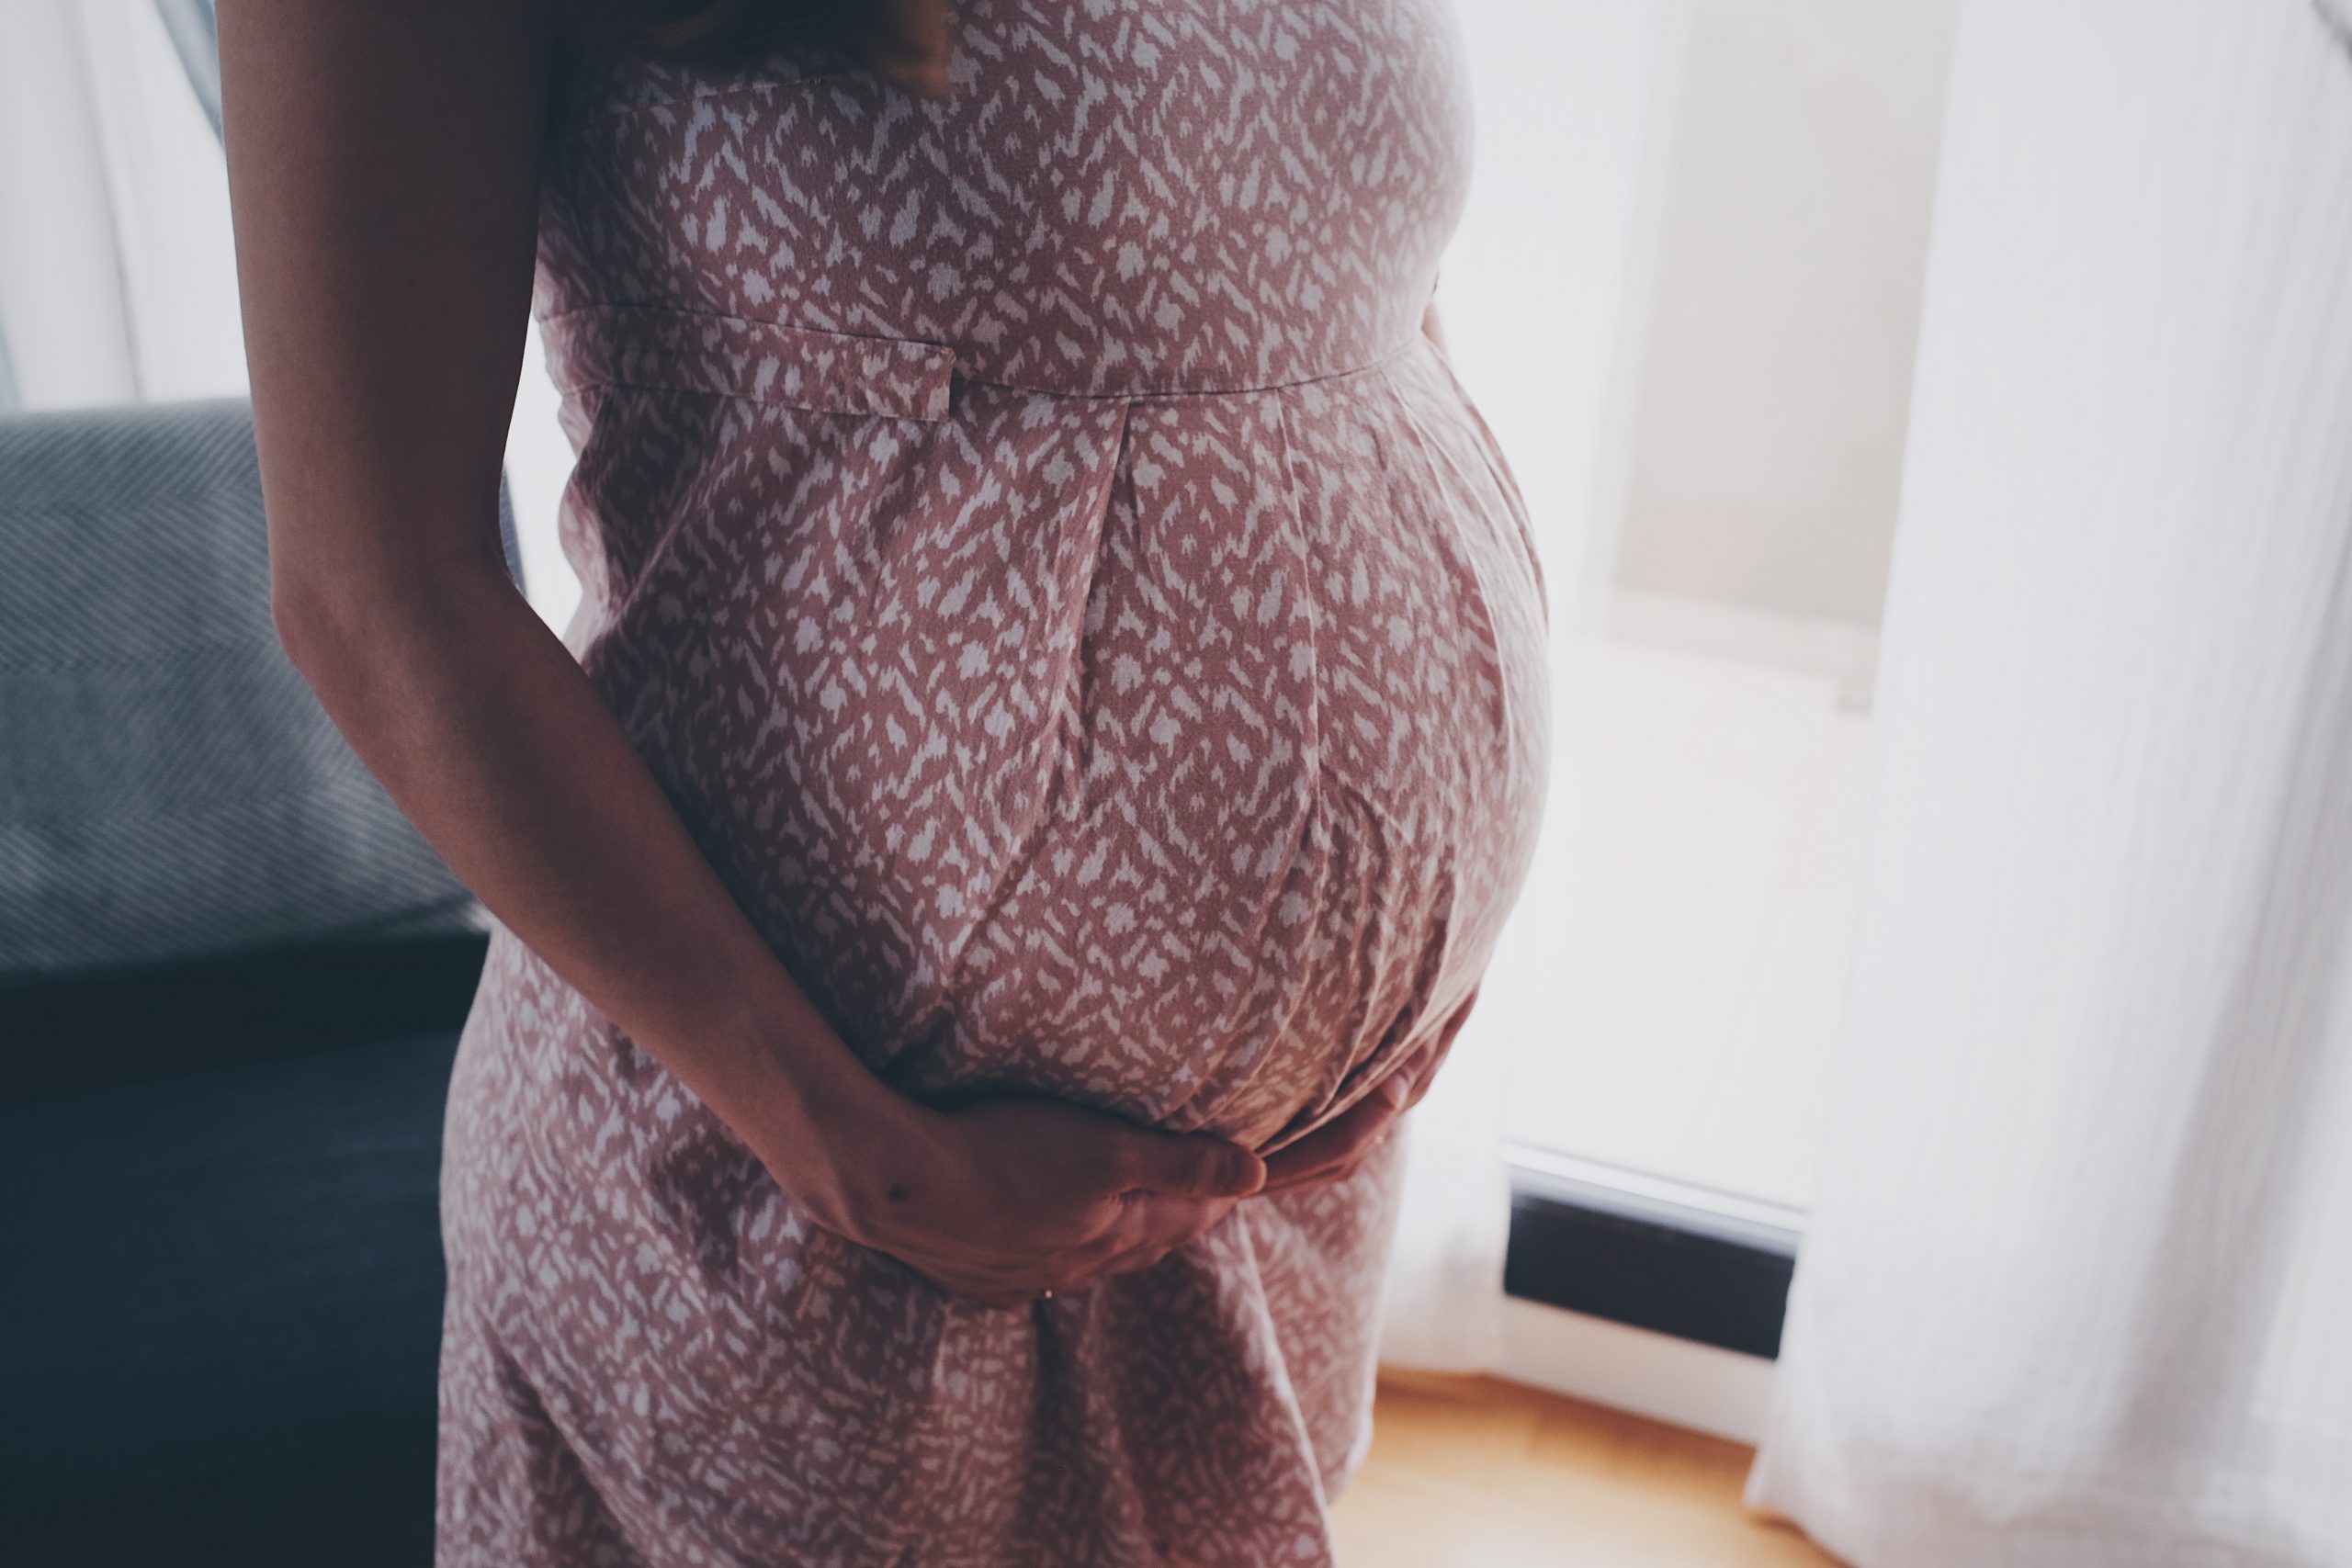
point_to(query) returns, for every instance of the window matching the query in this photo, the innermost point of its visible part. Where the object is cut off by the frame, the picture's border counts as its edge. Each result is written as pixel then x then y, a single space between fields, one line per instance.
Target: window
pixel 1686 295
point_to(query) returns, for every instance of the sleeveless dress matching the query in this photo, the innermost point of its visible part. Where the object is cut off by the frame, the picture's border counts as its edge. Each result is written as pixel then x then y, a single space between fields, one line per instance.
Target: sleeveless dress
pixel 1100 644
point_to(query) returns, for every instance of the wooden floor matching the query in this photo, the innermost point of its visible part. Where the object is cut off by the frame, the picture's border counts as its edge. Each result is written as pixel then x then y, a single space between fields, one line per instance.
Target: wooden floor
pixel 1474 1472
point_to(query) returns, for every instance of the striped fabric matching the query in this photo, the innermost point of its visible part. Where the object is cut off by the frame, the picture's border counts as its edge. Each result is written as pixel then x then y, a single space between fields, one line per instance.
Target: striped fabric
pixel 169 786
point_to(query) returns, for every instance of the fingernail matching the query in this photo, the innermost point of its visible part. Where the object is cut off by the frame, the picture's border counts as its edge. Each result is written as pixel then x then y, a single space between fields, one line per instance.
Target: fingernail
pixel 1244 1172
pixel 1394 1088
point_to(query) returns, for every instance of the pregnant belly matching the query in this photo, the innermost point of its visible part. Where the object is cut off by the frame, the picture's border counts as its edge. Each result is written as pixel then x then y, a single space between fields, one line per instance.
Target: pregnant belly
pixel 1179 756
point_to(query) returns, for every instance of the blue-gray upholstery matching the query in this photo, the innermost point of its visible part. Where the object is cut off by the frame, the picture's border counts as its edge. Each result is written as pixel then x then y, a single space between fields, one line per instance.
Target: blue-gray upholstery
pixel 169 786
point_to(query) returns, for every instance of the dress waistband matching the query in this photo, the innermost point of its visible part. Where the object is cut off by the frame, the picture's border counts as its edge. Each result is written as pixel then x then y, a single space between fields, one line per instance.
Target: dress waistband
pixel 801 367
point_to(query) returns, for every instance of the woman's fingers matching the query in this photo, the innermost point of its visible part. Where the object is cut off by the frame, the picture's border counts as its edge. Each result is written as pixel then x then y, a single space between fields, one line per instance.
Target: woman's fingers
pixel 1156 1226
pixel 1197 1164
pixel 1161 1226
pixel 1062 1197
pixel 1421 1072
pixel 1334 1150
pixel 1147 1228
pixel 1426 1062
pixel 1153 1225
pixel 1039 1193
pixel 1152 1193
pixel 1170 1223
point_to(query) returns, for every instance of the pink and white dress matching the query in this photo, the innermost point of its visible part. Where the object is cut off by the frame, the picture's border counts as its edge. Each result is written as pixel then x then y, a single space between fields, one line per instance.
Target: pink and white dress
pixel 1094 636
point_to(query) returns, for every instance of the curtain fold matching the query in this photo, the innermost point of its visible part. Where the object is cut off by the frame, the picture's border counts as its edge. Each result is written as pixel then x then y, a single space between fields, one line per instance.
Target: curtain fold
pixel 2073 1290
pixel 196 36
pixel 63 297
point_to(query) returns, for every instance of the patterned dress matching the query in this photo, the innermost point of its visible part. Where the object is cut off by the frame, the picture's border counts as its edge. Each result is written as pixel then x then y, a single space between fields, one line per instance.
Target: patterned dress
pixel 1095 638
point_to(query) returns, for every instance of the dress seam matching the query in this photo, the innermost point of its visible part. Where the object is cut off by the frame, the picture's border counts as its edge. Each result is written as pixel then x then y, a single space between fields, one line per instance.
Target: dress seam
pixel 1313 818
pixel 1032 837
pixel 1312 758
pixel 1378 361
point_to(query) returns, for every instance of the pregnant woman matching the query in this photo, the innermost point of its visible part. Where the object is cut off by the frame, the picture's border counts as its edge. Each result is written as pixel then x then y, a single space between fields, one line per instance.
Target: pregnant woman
pixel 1054 723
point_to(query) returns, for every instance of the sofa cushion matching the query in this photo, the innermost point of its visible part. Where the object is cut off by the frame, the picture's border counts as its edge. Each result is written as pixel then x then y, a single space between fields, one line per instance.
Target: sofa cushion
pixel 169 786
pixel 71 1033
pixel 222 1304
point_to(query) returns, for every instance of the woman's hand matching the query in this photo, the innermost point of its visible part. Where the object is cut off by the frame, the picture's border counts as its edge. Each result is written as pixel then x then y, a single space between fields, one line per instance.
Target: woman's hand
pixel 1004 1199
pixel 1007 1197
pixel 907 41
pixel 1339 1149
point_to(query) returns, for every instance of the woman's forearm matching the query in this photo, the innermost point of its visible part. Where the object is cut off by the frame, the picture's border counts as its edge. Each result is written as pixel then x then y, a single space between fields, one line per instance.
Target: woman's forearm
pixel 490 737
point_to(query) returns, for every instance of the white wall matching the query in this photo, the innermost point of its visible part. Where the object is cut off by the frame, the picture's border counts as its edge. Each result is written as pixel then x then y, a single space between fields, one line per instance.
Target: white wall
pixel 1543 293
pixel 1768 443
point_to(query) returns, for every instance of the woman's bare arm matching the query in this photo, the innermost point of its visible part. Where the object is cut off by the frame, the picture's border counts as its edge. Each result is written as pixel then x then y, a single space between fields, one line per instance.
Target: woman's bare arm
pixel 384 173
pixel 383 165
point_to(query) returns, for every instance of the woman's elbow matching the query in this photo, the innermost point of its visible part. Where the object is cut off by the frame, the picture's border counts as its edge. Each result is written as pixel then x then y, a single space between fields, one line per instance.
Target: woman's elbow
pixel 329 615
pixel 323 616
pixel 304 618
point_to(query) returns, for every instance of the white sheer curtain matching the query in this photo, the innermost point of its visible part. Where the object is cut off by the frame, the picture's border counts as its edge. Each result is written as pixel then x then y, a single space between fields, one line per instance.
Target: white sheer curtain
pixel 2076 1289
pixel 118 271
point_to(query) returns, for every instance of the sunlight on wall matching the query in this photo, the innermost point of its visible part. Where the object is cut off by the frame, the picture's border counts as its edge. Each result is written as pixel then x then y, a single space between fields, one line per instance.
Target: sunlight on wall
pixel 1544 289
